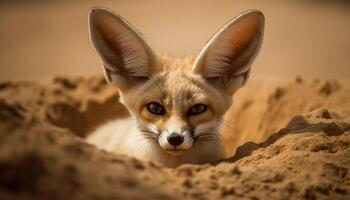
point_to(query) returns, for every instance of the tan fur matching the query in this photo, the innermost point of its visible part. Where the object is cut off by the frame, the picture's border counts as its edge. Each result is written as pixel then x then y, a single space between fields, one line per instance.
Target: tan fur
pixel 170 87
pixel 177 85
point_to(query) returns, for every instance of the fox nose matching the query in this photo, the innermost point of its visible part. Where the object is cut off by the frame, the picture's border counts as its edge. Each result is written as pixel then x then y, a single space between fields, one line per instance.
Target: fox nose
pixel 175 139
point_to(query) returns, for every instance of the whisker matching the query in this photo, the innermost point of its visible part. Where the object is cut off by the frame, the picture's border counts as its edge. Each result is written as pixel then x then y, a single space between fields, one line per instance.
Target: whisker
pixel 210 136
pixel 147 133
pixel 207 139
pixel 162 139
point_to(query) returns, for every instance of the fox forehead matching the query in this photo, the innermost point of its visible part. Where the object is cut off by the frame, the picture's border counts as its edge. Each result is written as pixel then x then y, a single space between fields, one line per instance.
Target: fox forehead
pixel 176 88
pixel 181 91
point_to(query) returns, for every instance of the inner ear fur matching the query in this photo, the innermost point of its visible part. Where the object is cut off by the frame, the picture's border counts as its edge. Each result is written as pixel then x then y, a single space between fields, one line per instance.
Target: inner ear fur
pixel 226 59
pixel 127 57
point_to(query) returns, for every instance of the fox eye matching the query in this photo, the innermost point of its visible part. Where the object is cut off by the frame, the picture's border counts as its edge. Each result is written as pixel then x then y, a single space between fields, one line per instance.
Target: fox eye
pixel 197 109
pixel 155 108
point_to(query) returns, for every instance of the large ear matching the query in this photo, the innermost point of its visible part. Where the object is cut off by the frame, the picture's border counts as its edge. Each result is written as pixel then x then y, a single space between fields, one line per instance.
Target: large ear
pixel 126 56
pixel 226 59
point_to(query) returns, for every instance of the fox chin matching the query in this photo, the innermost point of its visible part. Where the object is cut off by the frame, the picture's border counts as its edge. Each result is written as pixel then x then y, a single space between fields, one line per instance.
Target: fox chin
pixel 176 106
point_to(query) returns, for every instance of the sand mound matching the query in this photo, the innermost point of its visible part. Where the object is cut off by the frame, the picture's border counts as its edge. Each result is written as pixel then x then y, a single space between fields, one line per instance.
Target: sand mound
pixel 266 105
pixel 42 154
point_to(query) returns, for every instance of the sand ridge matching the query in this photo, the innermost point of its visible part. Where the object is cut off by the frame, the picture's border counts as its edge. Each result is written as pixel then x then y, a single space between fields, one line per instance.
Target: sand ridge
pixel 43 154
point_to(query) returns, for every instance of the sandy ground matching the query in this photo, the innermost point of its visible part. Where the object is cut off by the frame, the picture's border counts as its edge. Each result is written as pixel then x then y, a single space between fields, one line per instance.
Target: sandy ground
pixel 297 154
pixel 266 105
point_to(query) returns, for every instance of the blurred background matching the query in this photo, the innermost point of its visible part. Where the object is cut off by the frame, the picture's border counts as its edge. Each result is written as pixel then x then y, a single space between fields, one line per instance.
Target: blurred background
pixel 41 39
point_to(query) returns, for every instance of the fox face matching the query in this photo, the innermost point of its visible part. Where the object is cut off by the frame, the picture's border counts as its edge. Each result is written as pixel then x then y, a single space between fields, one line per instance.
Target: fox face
pixel 177 108
pixel 177 105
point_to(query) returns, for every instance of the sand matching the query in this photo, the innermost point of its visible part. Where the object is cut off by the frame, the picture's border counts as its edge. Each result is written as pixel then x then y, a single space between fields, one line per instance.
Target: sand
pixel 293 140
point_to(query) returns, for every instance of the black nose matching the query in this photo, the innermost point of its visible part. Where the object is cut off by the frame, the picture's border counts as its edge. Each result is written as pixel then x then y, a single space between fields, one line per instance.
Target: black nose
pixel 175 139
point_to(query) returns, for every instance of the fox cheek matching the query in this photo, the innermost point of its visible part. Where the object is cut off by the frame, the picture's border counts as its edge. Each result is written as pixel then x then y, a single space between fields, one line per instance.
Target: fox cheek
pixel 202 118
pixel 153 128
pixel 206 127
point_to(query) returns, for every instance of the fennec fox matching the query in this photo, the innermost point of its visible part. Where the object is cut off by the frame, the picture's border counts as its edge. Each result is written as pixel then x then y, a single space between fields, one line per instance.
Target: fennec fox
pixel 175 107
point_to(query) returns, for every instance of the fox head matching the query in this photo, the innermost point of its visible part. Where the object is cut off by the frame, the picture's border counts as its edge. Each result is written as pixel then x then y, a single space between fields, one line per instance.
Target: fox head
pixel 177 105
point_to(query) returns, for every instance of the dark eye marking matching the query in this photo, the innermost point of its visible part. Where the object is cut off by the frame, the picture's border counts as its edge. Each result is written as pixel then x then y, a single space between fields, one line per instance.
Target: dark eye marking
pixel 155 108
pixel 197 109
